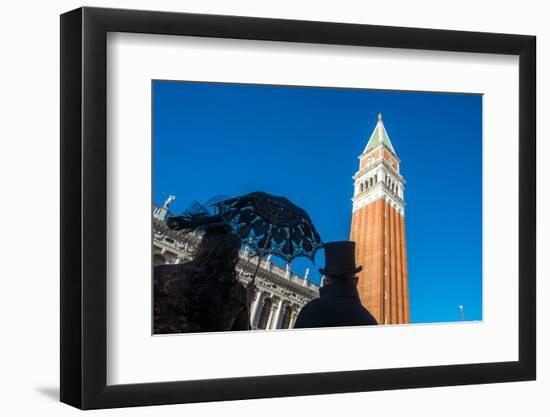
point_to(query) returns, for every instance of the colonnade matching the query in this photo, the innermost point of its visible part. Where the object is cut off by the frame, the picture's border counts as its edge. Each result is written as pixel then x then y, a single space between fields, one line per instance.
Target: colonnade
pixel 271 312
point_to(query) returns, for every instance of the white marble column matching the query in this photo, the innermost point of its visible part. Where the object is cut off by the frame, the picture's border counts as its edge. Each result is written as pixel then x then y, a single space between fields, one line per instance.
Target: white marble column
pixel 278 316
pixel 293 317
pixel 256 308
pixel 271 317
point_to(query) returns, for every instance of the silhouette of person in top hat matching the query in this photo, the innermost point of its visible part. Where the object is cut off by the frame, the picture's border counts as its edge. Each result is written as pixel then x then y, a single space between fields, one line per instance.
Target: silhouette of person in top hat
pixel 338 304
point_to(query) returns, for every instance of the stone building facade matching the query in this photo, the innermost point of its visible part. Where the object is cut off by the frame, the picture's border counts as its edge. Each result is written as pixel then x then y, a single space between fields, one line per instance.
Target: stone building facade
pixel 280 293
pixel 378 229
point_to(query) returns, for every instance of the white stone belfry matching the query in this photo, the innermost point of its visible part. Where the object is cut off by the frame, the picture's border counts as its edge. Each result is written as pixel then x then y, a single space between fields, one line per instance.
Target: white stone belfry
pixel 378 175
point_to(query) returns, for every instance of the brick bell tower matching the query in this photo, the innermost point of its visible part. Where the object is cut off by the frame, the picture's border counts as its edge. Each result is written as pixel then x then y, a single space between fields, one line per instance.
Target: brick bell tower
pixel 378 229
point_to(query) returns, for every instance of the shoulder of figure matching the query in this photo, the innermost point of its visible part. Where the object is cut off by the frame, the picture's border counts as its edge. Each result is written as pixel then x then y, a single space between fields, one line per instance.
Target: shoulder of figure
pixel 312 304
pixel 369 316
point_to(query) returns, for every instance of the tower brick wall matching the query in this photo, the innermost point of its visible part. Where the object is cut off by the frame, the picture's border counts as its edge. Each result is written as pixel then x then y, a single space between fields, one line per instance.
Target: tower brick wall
pixel 378 232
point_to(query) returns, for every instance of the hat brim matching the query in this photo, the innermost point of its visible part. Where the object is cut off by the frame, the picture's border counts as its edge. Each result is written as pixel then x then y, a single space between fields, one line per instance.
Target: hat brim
pixel 336 273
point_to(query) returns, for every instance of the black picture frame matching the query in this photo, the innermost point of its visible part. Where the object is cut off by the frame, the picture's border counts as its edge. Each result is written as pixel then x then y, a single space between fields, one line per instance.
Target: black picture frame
pixel 84 207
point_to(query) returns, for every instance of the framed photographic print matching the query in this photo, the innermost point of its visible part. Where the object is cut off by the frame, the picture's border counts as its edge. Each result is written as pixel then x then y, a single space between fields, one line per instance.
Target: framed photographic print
pixel 258 208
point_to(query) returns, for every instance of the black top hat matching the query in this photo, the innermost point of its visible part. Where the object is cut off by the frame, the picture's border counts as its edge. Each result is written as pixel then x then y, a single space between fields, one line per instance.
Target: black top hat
pixel 340 259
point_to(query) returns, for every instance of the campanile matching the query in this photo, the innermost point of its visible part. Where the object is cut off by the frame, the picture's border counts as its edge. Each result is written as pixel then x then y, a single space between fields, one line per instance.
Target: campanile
pixel 378 229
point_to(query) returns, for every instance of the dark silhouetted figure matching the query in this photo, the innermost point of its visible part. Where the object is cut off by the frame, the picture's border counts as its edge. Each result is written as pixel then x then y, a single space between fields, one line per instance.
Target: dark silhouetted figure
pixel 338 304
pixel 203 295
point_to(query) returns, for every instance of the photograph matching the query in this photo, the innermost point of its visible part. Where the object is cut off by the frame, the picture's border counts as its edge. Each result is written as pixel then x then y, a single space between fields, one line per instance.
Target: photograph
pixel 279 207
pixel 289 204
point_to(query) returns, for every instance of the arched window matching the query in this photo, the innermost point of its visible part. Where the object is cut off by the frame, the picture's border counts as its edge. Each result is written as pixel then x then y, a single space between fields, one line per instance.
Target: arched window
pixel 264 314
pixel 361 187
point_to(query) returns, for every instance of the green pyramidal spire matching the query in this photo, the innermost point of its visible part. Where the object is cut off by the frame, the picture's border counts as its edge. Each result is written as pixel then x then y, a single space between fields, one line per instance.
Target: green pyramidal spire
pixel 379 135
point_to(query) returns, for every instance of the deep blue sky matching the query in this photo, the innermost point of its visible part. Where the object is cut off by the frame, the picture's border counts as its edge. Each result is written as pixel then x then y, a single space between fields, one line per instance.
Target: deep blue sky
pixel 303 143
